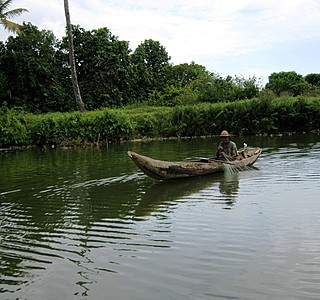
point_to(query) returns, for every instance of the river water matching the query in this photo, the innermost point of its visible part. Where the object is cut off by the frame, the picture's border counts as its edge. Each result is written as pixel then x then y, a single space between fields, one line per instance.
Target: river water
pixel 88 224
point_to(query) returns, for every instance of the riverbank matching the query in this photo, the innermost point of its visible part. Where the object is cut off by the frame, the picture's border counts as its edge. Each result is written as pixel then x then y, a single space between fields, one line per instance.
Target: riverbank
pixel 248 117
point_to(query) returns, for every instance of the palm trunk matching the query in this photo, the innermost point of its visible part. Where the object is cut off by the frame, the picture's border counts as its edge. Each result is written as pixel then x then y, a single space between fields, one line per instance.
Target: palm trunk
pixel 72 60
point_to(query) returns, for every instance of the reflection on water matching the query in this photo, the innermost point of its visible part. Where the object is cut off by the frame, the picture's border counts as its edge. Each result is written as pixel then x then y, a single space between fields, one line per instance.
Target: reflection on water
pixel 230 184
pixel 83 224
pixel 161 195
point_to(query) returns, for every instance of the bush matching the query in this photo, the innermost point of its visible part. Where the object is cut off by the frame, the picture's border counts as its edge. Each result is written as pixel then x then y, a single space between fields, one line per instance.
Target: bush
pixel 264 115
pixel 146 126
pixel 79 128
pixel 13 131
pixel 112 126
pixel 46 130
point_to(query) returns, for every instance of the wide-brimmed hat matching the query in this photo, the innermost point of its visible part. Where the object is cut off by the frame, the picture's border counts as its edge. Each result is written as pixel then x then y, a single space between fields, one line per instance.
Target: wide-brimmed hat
pixel 224 133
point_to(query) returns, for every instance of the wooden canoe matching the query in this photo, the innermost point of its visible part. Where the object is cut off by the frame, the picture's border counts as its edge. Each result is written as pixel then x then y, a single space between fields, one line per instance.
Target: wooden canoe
pixel 160 169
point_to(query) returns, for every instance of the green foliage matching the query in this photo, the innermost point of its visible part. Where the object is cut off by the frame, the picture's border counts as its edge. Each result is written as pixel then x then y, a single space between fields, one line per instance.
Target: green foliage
pixel 267 95
pixel 112 126
pixel 170 96
pixel 33 73
pixel 103 66
pixel 214 88
pixel 265 115
pixel 63 128
pixel 3 87
pixel 192 84
pixel 146 126
pixel 187 96
pixel 184 74
pixel 313 79
pixel 13 131
pixel 179 87
pixel 3 77
pixel 248 88
pixel 289 83
pixel 46 130
pixel 151 64
pixel 6 15
pixel 190 121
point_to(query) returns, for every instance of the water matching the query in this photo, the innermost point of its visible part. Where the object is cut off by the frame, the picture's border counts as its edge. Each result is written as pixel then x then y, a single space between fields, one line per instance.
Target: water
pixel 87 224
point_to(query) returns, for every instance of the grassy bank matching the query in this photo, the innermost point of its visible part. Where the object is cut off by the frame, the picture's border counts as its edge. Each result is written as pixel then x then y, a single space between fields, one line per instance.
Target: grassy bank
pixel 263 115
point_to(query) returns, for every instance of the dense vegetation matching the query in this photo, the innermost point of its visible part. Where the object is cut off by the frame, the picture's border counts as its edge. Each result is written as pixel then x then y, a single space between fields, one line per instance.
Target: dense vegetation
pixel 264 115
pixel 37 103
pixel 35 74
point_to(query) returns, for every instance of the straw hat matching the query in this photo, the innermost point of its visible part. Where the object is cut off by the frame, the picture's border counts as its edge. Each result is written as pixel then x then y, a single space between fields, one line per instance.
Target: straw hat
pixel 224 133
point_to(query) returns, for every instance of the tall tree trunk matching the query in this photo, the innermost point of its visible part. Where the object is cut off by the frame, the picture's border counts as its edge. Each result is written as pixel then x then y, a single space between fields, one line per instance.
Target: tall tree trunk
pixel 72 60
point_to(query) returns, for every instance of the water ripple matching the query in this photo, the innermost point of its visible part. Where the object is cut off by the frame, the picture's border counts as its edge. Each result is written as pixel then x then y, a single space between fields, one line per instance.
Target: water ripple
pixel 249 235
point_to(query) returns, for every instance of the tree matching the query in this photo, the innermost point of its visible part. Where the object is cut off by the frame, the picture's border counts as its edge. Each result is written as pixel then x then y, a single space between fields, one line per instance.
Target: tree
pixel 104 67
pixel 177 88
pixel 214 88
pixel 32 74
pixel 73 69
pixel 248 88
pixel 287 82
pixel 313 79
pixel 3 78
pixel 192 83
pixel 6 15
pixel 151 62
pixel 184 74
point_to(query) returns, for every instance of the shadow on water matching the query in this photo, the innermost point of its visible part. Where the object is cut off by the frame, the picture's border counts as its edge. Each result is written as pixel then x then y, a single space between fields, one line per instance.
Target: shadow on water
pixel 163 195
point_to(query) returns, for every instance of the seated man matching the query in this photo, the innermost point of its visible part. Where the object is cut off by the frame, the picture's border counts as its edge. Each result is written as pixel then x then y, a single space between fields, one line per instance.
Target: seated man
pixel 227 149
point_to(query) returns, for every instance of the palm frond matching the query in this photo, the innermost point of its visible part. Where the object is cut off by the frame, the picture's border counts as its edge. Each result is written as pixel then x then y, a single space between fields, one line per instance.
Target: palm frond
pixel 6 15
pixel 4 5
pixel 11 26
pixel 14 13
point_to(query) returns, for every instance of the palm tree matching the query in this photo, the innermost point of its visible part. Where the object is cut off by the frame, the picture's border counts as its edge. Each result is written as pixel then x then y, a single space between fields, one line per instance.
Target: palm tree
pixel 72 60
pixel 6 14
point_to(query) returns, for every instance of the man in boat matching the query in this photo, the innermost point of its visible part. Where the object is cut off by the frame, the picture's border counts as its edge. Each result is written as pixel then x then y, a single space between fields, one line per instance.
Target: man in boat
pixel 227 149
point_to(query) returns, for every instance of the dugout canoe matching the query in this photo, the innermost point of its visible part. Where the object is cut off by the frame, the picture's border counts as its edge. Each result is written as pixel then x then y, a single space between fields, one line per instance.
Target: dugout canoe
pixel 160 169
